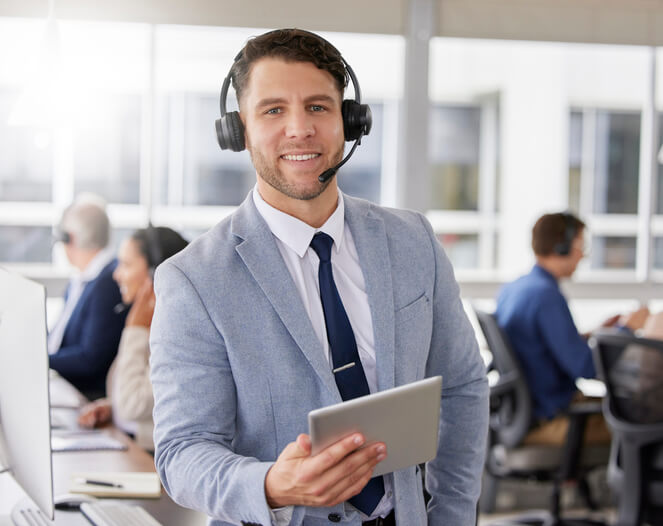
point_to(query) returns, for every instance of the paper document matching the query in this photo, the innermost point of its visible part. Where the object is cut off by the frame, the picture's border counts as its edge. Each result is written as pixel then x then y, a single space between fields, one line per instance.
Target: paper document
pixel 116 484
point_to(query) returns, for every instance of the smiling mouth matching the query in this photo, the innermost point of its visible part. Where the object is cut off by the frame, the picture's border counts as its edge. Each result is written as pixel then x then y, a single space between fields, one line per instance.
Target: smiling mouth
pixel 302 157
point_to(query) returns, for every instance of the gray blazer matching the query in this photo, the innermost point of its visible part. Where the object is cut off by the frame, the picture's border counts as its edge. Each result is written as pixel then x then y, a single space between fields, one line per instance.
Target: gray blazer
pixel 236 366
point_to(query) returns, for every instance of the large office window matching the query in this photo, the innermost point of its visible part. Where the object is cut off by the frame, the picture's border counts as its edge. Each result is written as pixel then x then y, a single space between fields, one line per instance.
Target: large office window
pixel 617 162
pixel 455 136
pixel 130 116
pixel 604 149
pixel 26 157
pixel 106 153
pixel 519 129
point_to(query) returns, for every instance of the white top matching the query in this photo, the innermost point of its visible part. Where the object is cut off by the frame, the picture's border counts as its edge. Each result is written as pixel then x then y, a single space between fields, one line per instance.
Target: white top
pixel 293 239
pixel 76 287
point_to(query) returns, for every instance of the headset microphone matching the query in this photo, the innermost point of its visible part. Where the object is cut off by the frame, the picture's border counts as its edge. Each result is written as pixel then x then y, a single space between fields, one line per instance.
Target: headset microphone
pixel 330 172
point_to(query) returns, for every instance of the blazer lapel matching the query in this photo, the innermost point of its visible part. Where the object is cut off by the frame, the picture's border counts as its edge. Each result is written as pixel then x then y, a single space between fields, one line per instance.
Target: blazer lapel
pixel 370 237
pixel 263 260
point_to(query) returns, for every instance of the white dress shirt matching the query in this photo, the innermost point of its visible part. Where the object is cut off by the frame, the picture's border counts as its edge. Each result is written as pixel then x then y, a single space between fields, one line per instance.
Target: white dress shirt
pixel 76 287
pixel 293 238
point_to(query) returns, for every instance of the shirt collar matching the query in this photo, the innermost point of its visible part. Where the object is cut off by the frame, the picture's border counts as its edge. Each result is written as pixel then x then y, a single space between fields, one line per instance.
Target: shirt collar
pixel 295 233
pixel 96 265
pixel 543 272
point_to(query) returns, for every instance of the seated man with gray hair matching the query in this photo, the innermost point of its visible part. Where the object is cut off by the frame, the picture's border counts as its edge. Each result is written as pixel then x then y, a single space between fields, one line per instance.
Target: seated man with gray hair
pixel 83 342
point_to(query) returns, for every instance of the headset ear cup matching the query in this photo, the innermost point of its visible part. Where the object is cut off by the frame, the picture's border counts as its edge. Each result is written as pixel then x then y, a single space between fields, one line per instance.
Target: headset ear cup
pixel 357 119
pixel 220 137
pixel 236 131
pixel 230 132
pixel 562 249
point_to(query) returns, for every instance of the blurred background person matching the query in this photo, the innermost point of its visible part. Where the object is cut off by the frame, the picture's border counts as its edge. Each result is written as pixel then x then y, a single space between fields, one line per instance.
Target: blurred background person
pixel 83 342
pixel 536 318
pixel 129 399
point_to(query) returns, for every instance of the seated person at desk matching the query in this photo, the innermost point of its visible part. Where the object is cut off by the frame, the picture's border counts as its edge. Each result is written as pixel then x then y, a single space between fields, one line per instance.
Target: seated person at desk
pixel 83 342
pixel 129 400
pixel 536 318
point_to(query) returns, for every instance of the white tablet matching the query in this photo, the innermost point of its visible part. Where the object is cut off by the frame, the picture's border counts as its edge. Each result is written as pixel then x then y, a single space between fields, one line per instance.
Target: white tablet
pixel 405 418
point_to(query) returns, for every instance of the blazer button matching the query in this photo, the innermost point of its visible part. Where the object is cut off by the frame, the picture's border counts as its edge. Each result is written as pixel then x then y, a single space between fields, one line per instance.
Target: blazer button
pixel 334 517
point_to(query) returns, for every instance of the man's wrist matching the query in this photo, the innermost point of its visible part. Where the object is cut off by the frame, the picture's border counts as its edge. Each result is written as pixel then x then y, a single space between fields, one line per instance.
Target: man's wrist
pixel 271 495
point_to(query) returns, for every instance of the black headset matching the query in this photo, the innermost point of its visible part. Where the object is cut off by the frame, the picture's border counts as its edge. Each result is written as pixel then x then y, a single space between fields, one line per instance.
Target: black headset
pixel 63 236
pixel 570 231
pixel 357 117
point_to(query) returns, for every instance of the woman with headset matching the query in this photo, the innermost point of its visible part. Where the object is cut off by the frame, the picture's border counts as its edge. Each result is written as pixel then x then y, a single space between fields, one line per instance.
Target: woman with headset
pixel 129 399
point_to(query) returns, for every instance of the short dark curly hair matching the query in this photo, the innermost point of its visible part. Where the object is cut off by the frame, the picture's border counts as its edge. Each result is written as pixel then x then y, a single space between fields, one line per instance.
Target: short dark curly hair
pixel 291 45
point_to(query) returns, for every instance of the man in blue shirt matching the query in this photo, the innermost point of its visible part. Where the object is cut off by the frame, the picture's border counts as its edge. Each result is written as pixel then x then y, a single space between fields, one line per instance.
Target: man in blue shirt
pixel 536 318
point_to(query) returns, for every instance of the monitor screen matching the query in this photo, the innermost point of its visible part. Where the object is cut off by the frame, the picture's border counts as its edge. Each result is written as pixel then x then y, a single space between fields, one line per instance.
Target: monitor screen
pixel 25 447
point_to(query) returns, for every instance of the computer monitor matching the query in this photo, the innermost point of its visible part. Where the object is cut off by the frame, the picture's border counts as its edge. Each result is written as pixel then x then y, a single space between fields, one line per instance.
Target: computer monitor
pixel 25 438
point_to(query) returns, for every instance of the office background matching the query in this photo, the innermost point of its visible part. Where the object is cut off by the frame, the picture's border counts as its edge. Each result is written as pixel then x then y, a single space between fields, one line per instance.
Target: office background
pixel 486 115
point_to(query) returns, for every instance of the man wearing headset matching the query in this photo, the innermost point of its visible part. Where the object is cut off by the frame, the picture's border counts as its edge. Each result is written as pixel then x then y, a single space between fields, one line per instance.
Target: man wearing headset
pixel 83 342
pixel 242 340
pixel 536 318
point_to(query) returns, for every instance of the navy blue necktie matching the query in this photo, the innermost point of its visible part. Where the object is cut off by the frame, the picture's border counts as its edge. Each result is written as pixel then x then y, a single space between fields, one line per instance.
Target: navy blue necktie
pixel 350 379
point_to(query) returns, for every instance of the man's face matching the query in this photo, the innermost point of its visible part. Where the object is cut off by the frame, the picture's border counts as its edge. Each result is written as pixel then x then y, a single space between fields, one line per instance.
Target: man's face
pixel 294 127
pixel 576 253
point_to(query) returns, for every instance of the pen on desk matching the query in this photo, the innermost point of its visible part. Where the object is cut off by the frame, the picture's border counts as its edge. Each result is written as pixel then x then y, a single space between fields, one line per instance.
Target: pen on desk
pixel 98 483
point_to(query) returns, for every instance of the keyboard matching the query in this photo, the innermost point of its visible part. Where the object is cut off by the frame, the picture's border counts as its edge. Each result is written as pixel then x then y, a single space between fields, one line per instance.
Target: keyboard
pixel 100 513
pixel 117 514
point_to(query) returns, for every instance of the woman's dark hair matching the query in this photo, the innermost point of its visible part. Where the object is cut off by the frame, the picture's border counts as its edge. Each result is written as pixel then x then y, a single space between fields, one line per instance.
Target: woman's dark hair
pixel 291 45
pixel 158 243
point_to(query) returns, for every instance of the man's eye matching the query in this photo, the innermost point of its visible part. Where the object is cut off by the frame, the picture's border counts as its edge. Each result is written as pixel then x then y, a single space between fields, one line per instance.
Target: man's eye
pixel 317 107
pixel 274 111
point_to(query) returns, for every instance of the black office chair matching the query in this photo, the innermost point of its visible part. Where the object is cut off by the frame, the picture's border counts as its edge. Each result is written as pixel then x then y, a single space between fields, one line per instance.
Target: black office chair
pixel 635 470
pixel 511 419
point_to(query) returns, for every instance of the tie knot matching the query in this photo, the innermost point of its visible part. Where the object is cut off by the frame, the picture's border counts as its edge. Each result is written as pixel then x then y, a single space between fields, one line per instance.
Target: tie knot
pixel 322 244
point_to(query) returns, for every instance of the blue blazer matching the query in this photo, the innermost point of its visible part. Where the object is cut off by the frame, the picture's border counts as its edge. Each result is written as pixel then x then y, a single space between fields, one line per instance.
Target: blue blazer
pixel 236 366
pixel 92 336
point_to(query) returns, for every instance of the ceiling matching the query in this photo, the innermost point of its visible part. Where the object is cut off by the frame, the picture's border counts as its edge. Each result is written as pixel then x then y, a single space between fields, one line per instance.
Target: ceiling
pixel 634 22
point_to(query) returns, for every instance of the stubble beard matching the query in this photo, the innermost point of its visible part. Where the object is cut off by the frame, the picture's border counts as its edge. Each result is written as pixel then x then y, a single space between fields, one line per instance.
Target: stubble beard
pixel 272 175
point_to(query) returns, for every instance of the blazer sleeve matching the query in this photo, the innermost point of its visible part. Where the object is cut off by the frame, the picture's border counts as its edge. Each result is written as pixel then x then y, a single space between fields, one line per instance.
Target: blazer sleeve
pixel 195 410
pixel 453 477
pixel 101 328
pixel 132 390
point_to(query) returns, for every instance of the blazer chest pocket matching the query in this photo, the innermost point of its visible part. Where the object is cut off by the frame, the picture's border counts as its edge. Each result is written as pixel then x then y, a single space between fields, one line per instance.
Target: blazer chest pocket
pixel 419 308
pixel 414 324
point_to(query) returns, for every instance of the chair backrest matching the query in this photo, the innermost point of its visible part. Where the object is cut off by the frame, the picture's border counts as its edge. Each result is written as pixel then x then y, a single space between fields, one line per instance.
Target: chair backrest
pixel 632 370
pixel 628 367
pixel 510 397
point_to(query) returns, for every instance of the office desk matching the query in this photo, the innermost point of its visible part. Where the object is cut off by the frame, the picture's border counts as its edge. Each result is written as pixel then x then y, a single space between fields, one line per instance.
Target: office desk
pixel 64 395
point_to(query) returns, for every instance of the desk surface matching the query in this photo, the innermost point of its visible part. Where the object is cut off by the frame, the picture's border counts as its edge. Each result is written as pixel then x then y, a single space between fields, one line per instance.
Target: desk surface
pixel 66 463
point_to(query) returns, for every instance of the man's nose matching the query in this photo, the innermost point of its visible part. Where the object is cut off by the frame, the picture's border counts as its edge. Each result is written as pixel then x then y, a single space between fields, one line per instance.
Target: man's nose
pixel 299 124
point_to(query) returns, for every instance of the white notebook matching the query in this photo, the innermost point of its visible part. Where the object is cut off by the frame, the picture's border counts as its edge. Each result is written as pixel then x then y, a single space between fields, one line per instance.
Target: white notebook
pixel 126 484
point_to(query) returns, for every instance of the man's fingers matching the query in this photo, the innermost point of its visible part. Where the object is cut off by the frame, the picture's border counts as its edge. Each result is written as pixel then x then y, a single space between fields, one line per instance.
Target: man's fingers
pixel 304 443
pixel 334 454
pixel 349 476
pixel 297 449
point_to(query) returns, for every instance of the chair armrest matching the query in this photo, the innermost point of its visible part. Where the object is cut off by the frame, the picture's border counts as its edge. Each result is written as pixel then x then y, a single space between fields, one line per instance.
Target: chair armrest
pixel 505 383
